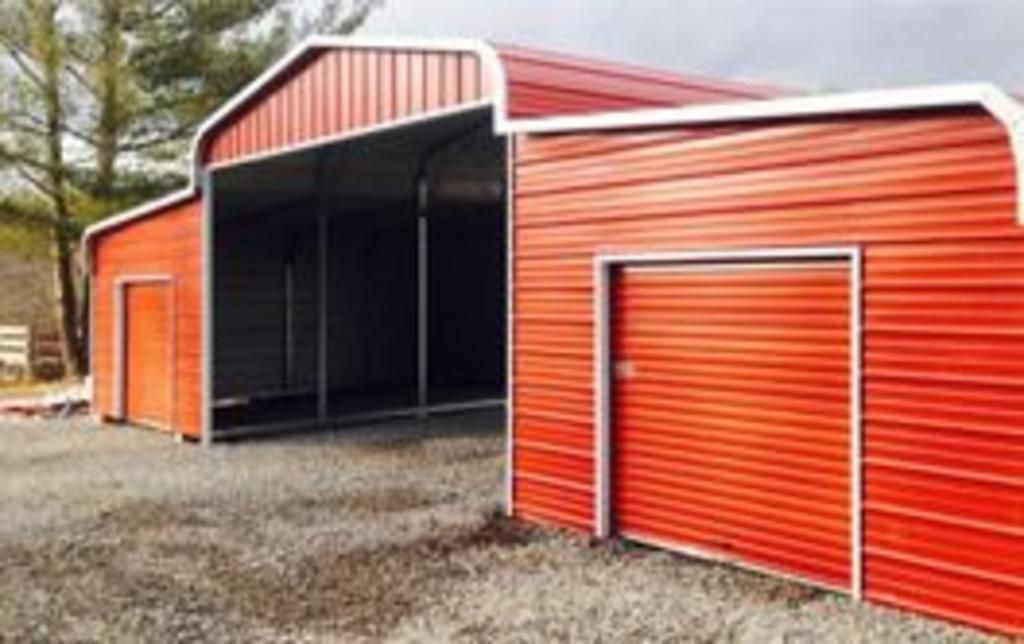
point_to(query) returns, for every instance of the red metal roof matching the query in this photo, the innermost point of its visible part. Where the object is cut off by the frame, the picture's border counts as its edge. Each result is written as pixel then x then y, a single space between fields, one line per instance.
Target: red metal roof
pixel 333 85
pixel 307 97
pixel 543 83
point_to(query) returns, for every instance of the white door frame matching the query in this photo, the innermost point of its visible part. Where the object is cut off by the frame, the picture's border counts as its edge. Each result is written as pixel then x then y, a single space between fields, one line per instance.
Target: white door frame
pixel 604 268
pixel 121 285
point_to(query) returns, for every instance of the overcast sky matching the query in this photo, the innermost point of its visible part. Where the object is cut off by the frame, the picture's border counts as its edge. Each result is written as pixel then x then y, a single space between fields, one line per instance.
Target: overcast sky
pixel 802 44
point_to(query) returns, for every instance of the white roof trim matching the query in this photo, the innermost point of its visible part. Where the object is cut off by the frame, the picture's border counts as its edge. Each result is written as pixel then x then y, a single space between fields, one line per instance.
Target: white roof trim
pixel 148 208
pixel 488 56
pixel 761 109
pixel 1001 105
pixel 355 134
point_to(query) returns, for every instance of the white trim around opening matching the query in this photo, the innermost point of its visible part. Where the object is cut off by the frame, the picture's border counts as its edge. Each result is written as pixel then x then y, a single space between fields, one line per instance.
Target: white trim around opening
pixel 603 274
pixel 120 288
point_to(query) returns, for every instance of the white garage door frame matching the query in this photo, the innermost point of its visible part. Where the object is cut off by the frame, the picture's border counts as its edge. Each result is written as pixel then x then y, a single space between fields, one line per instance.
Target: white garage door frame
pixel 121 285
pixel 604 267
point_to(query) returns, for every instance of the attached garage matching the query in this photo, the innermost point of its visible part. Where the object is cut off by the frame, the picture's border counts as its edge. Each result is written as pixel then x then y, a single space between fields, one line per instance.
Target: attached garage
pixel 781 332
pixel 784 334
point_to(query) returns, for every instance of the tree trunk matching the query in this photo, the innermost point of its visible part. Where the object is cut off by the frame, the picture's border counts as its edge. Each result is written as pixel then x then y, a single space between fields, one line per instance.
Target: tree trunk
pixel 62 236
pixel 67 305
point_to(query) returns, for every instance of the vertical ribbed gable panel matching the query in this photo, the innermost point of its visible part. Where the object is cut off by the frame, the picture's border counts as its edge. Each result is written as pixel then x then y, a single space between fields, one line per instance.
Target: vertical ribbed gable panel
pixel 334 91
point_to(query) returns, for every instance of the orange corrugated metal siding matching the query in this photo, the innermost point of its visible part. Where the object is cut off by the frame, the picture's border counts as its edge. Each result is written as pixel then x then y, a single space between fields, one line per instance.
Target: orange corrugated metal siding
pixel 731 421
pixel 931 198
pixel 148 354
pixel 339 90
pixel 166 244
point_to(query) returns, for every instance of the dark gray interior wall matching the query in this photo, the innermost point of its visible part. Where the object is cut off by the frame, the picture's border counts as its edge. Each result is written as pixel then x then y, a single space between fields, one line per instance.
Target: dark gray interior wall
pixel 372 299
pixel 267 287
pixel 251 342
pixel 467 315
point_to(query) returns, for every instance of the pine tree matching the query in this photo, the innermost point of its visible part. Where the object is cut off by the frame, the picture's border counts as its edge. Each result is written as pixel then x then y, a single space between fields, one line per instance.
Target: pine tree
pixel 100 100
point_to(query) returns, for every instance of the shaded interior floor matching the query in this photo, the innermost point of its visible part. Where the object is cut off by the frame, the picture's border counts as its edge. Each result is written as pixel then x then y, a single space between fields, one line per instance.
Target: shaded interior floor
pixel 301 408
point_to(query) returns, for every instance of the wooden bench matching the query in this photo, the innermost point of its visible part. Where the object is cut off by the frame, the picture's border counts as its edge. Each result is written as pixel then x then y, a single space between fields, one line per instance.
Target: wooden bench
pixel 16 351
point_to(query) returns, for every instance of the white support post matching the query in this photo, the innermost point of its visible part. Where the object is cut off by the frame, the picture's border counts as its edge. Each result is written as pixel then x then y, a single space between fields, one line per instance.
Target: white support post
pixel 510 298
pixel 207 393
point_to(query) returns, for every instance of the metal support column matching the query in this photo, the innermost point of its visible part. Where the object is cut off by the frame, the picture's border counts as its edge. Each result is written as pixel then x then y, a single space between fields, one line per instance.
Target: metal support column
pixel 323 212
pixel 423 298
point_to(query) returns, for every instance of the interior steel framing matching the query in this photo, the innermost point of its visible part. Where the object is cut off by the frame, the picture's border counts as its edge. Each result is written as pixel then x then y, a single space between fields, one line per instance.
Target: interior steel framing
pixel 423 408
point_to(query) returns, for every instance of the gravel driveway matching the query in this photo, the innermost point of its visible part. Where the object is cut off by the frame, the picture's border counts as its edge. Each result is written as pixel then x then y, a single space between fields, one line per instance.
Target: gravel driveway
pixel 377 534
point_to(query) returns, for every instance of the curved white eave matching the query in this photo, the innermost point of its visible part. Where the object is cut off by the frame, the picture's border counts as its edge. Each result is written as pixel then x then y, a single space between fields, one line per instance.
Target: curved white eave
pixel 1003 107
pixel 998 103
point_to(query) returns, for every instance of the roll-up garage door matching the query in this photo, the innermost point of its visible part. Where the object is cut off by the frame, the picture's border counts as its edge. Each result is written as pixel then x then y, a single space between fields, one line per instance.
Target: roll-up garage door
pixel 147 354
pixel 731 432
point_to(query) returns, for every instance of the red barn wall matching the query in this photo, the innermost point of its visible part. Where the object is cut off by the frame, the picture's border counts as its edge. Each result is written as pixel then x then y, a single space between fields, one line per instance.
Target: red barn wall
pixel 931 199
pixel 168 243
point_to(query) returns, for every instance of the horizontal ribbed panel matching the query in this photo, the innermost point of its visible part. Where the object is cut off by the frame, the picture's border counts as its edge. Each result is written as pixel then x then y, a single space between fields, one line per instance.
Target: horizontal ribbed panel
pixel 733 460
pixel 165 244
pixel 930 197
pixel 148 334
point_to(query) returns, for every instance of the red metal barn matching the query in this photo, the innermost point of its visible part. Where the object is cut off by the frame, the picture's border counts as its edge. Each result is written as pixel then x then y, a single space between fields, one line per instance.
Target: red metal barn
pixel 785 332
pixel 358 131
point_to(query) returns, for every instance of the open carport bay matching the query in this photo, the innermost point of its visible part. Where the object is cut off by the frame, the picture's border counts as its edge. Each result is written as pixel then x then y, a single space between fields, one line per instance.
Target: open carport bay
pixel 383 533
pixel 360 278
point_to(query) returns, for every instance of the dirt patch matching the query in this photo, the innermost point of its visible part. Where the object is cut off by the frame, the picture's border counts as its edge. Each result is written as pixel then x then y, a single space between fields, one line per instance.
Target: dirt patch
pixel 391 445
pixel 366 501
pixel 365 592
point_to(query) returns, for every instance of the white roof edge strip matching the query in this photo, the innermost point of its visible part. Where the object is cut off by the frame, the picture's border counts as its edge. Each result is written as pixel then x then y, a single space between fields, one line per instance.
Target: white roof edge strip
pixel 143 210
pixel 1003 107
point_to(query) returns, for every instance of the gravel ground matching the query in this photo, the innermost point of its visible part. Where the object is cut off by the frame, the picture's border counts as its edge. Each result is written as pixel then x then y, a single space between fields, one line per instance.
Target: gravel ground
pixel 387 533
